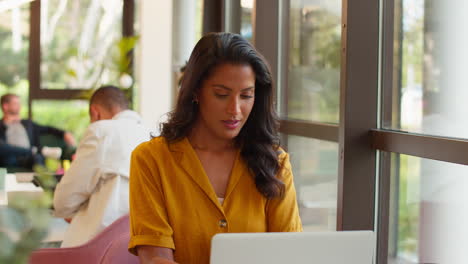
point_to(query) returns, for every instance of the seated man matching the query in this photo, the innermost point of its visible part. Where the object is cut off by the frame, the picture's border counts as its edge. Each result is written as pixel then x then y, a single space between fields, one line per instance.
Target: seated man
pixel 19 138
pixel 94 190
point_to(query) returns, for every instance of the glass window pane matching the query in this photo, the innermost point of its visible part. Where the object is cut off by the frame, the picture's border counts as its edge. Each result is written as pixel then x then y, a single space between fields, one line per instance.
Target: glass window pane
pixel 247 7
pixel 14 47
pixel 314 61
pixel 429 211
pixel 69 115
pixel 80 43
pixel 315 168
pixel 430 63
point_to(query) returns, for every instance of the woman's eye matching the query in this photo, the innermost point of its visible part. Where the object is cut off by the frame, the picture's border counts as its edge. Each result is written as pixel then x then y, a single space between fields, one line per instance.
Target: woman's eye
pixel 221 95
pixel 245 96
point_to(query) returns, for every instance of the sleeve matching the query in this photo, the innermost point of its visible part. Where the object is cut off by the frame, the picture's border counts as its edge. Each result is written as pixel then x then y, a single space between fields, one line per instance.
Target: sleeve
pixel 283 213
pixel 149 224
pixel 80 180
pixel 48 130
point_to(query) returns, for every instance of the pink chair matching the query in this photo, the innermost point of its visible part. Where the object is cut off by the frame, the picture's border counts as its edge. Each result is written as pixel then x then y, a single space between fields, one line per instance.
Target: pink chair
pixel 109 246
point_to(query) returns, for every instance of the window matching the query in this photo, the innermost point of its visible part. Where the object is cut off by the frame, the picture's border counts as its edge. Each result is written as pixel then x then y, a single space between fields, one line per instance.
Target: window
pixel 70 115
pixel 314 61
pixel 80 43
pixel 54 51
pixel 14 47
pixel 291 35
pixel 315 168
pixel 428 73
pixel 425 97
pixel 312 94
pixel 246 29
pixel 428 223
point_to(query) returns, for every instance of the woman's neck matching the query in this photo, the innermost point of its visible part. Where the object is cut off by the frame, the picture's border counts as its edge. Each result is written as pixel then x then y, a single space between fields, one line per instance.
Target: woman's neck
pixel 202 142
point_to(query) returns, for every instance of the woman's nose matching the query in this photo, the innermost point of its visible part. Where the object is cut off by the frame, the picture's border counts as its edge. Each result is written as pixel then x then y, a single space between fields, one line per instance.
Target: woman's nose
pixel 234 106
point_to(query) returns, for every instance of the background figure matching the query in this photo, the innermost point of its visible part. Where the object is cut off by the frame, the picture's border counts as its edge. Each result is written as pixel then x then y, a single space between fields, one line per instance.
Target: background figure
pixel 19 138
pixel 94 191
pixel 217 166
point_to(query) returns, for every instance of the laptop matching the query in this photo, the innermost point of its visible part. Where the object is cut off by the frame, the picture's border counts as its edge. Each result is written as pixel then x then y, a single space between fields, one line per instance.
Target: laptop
pixel 349 247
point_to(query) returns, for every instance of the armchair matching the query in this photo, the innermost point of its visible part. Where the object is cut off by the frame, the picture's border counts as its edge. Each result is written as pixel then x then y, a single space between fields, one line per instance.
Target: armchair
pixel 109 246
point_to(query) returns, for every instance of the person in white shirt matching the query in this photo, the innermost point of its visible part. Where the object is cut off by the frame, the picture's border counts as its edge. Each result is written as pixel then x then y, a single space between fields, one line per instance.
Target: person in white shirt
pixel 94 190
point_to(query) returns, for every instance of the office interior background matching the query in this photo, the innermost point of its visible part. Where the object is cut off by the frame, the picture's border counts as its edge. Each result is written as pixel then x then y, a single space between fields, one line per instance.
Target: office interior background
pixel 371 94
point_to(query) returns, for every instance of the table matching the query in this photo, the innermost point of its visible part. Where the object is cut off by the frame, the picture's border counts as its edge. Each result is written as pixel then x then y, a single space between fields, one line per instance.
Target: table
pixel 12 188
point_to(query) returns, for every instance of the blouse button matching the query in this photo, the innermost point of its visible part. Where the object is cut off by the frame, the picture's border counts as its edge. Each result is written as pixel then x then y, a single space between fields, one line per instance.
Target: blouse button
pixel 222 223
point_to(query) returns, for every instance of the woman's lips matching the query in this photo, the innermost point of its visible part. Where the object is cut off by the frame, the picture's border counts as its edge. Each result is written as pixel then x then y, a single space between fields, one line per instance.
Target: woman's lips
pixel 231 124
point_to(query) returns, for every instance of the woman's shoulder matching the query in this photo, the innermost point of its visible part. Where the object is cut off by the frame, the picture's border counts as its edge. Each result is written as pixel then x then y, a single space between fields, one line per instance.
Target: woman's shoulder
pixel 156 144
pixel 282 154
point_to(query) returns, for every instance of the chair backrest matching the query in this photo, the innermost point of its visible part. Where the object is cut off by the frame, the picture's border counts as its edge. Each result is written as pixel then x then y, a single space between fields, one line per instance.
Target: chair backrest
pixel 105 238
pixel 117 253
pixel 91 252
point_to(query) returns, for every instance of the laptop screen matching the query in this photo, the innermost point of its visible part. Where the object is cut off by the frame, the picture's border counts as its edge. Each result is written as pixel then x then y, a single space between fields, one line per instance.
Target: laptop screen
pixel 350 247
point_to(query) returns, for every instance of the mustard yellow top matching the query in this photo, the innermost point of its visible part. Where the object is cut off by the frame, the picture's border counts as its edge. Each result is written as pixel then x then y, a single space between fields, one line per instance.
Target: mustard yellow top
pixel 173 204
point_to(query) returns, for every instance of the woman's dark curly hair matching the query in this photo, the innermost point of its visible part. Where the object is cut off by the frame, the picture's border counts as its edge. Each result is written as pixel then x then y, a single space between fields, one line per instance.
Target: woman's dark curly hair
pixel 258 139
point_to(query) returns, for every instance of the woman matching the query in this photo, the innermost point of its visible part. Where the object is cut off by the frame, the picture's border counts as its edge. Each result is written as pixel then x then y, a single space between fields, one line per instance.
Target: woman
pixel 217 166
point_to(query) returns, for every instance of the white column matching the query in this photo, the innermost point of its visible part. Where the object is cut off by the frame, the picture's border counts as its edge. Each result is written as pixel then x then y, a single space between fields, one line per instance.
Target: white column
pixel 184 30
pixel 155 61
pixel 184 37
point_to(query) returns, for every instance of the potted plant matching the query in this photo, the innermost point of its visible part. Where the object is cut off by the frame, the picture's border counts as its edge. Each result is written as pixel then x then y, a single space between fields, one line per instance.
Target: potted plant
pixel 24 221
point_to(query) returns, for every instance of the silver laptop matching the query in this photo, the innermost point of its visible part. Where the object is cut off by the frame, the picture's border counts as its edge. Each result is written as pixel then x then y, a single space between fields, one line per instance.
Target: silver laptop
pixel 349 247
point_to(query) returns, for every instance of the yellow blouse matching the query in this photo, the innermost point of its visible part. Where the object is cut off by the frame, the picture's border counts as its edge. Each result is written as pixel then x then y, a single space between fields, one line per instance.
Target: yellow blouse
pixel 173 205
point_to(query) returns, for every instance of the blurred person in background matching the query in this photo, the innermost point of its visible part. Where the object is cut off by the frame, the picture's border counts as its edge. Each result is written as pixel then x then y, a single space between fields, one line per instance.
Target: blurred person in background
pixel 94 191
pixel 19 138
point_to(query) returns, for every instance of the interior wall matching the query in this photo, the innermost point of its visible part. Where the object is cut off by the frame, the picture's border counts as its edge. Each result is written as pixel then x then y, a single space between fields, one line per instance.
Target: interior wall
pixel 155 61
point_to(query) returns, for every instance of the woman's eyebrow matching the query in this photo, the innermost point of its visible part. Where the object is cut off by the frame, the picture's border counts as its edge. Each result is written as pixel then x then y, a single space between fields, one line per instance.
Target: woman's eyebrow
pixel 222 87
pixel 229 89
